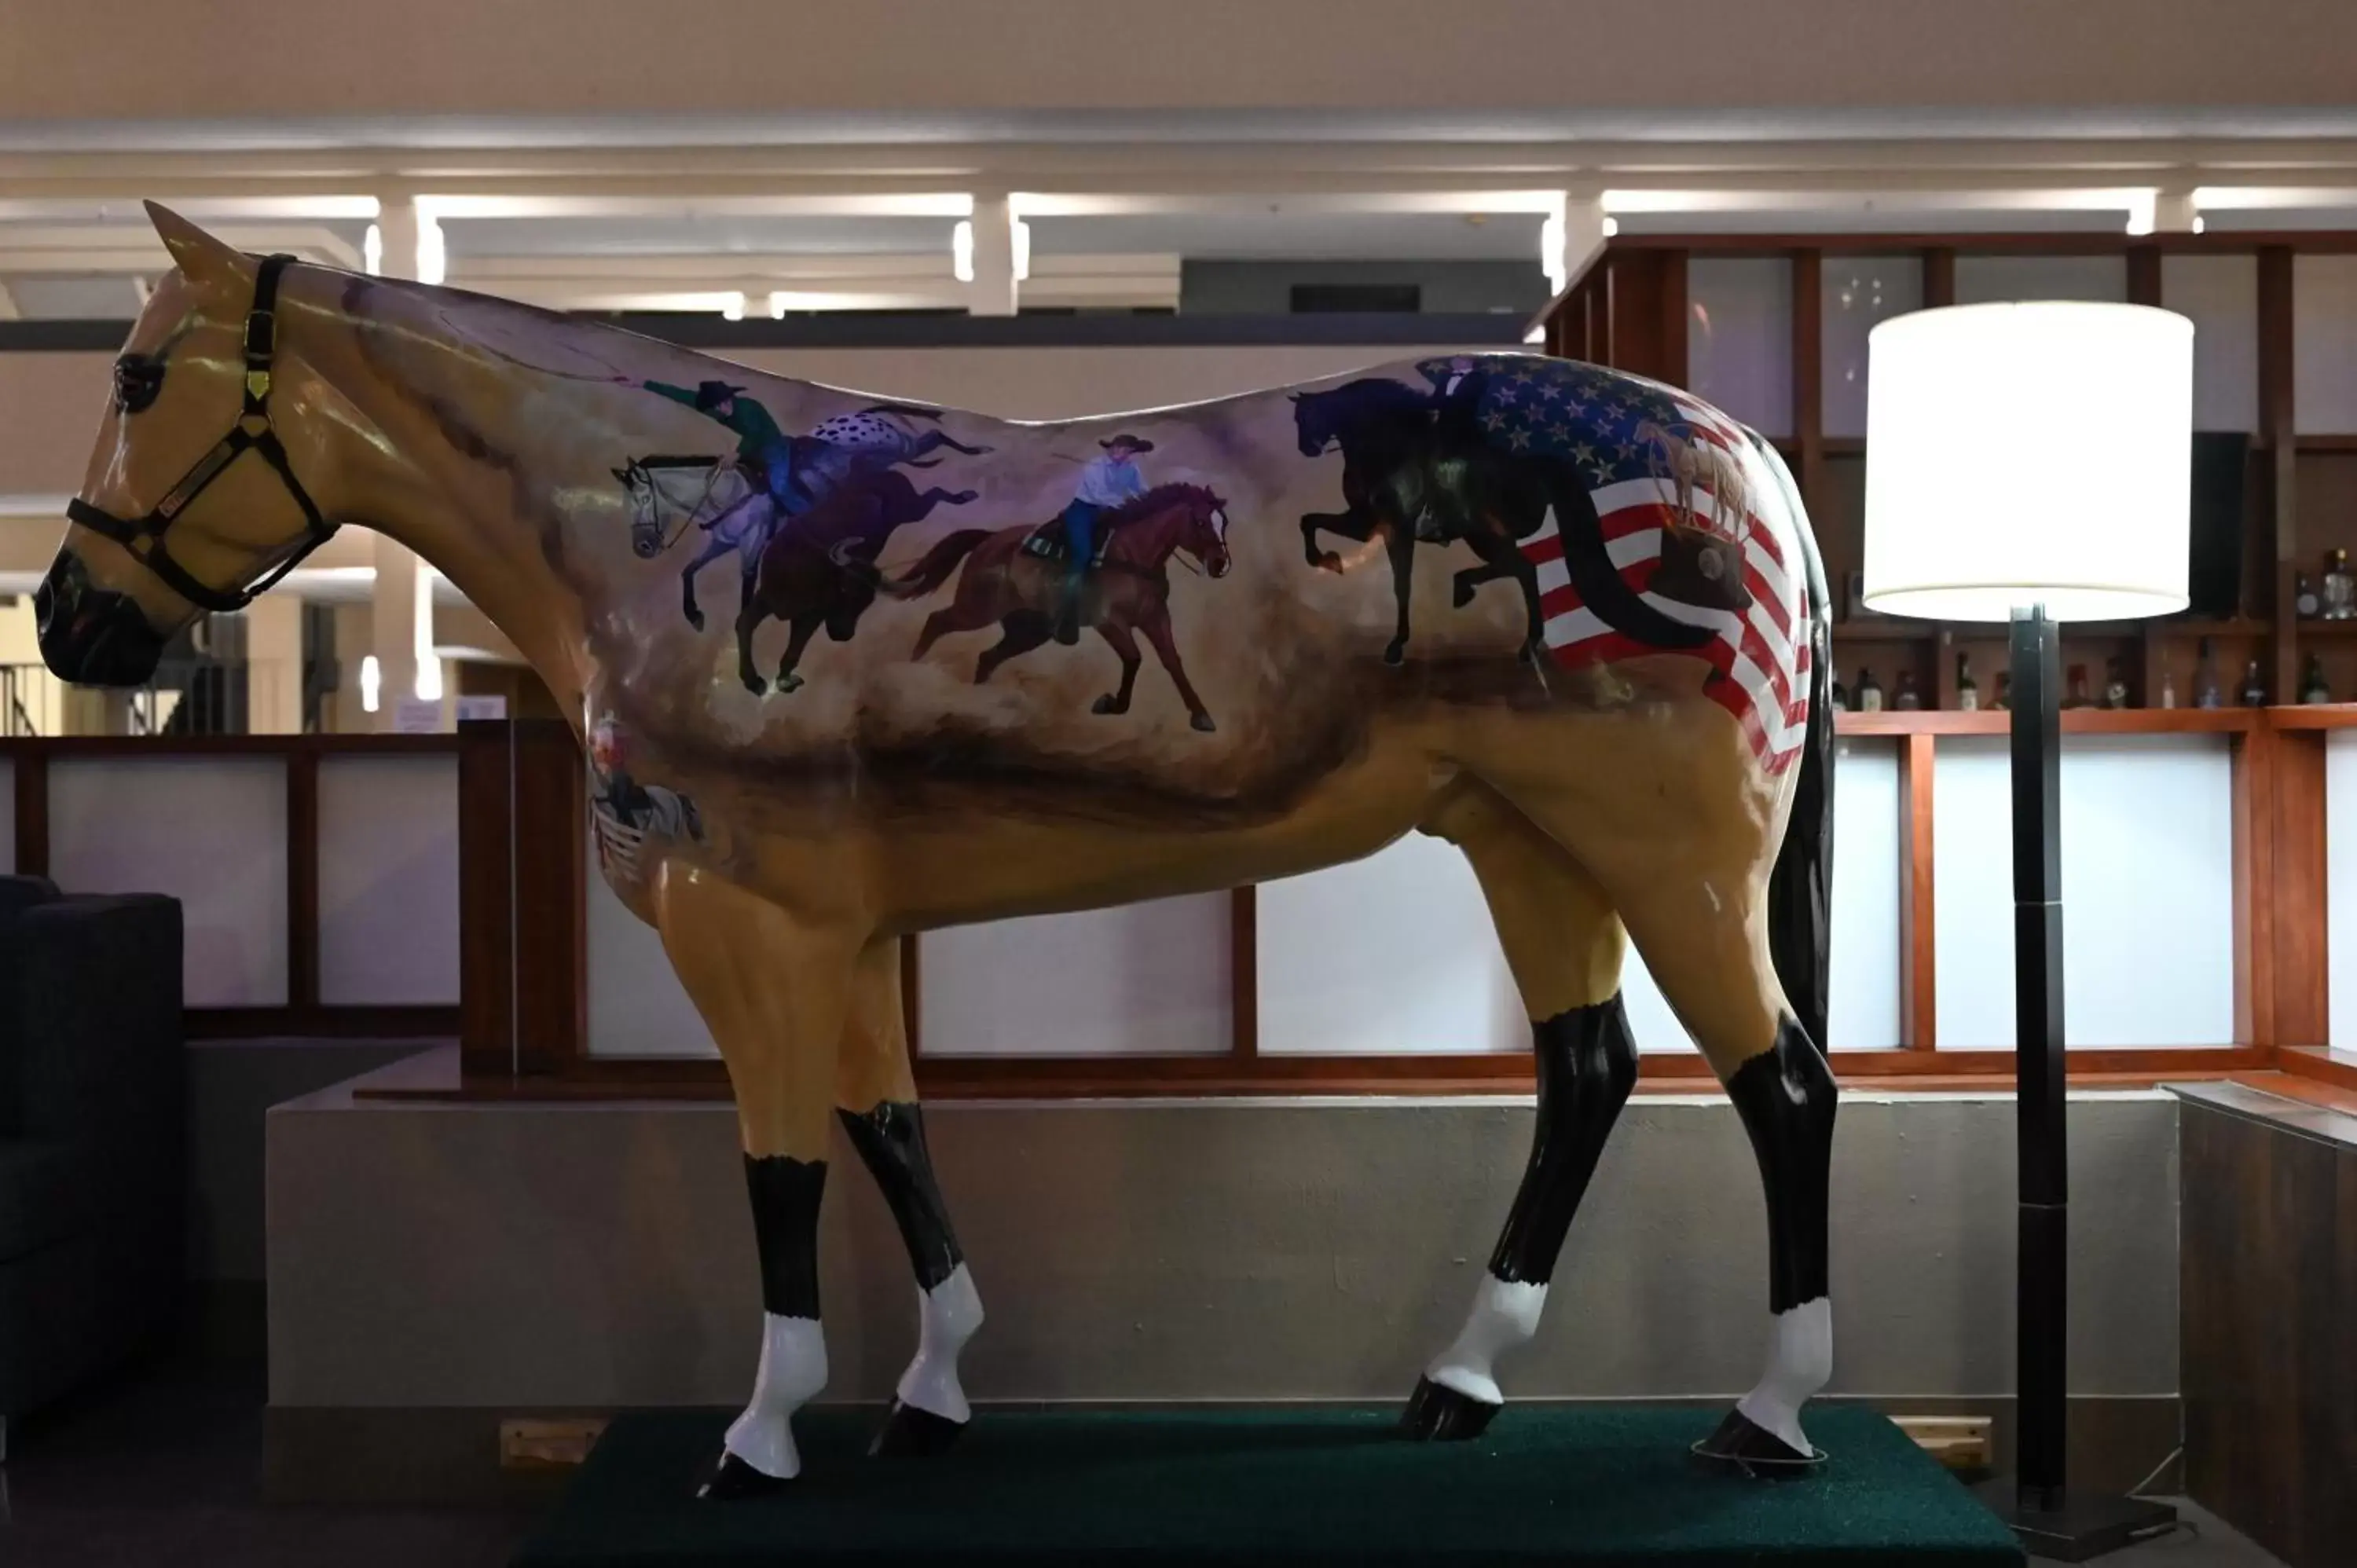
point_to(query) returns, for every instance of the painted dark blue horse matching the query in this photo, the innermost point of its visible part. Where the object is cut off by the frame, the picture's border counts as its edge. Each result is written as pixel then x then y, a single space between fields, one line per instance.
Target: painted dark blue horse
pixel 1418 468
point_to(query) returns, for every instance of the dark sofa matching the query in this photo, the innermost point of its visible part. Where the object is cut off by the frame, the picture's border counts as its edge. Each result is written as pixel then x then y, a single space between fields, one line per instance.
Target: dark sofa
pixel 92 1123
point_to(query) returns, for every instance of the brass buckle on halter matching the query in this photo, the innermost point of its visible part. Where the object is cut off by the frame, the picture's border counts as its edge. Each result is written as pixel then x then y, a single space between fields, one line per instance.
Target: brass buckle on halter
pixel 257 384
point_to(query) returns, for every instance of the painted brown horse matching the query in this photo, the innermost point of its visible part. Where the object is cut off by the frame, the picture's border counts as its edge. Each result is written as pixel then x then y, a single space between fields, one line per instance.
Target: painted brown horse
pixel 1130 598
pixel 819 569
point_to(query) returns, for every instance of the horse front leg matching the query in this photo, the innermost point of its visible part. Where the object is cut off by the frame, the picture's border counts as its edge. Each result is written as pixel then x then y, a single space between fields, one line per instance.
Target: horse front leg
pixel 714 548
pixel 1155 625
pixel 1401 541
pixel 1125 646
pixel 750 616
pixel 800 630
pixel 1355 526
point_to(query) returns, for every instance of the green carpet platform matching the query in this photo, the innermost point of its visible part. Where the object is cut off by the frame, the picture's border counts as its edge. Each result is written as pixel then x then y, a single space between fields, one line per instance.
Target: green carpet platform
pixel 1584 1485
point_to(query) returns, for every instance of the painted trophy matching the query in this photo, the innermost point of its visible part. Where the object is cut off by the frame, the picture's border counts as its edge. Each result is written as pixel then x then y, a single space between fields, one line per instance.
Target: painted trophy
pixel 1618 709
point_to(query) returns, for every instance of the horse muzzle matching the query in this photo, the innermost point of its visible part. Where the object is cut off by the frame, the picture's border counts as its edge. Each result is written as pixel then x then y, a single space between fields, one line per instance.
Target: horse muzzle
pixel 93 636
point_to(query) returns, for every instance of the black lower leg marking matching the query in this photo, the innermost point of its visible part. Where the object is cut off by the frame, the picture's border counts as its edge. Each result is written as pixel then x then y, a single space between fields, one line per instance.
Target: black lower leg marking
pixel 1786 1095
pixel 1588 1065
pixel 785 1193
pixel 891 1138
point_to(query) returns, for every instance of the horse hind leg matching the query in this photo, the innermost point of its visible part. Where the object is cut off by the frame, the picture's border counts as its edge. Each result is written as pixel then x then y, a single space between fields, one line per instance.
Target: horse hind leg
pixel 875 1101
pixel 1689 878
pixel 1019 634
pixel 1564 944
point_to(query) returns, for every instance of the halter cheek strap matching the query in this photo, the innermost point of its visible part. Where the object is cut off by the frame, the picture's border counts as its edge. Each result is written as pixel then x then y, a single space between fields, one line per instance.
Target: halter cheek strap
pixel 143 536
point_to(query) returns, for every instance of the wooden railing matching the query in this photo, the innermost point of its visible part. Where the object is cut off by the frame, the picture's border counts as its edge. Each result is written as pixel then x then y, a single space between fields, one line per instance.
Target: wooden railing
pixel 303 1012
pixel 526 1032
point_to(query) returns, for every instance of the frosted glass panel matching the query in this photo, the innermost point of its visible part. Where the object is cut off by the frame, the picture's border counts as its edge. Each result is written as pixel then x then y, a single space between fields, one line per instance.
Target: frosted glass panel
pixel 2324 343
pixel 2220 294
pixel 211 831
pixel 1740 339
pixel 1858 292
pixel 2148 886
pixel 1141 980
pixel 1390 954
pixel 2340 889
pixel 388 881
pixel 637 1006
pixel 1866 977
pixel 1981 279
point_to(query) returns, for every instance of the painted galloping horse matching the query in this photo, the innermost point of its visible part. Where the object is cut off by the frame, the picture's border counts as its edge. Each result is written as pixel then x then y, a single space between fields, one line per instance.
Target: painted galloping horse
pixel 1004 583
pixel 1659 773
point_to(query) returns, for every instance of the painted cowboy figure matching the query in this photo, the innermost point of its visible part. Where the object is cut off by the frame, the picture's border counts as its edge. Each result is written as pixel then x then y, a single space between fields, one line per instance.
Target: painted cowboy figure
pixel 1106 482
pixel 1459 386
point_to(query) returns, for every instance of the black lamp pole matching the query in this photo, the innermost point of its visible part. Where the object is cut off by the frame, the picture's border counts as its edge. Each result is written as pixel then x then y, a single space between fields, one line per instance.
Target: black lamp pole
pixel 2051 1522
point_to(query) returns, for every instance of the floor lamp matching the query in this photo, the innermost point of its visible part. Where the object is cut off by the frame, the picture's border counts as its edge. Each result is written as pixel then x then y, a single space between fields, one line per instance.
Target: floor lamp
pixel 2030 463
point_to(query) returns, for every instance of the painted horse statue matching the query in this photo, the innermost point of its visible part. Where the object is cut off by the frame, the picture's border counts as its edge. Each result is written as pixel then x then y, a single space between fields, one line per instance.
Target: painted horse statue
pixel 1619 756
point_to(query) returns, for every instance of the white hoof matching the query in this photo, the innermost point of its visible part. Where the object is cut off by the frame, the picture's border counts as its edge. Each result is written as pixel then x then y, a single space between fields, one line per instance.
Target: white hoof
pixel 948 1315
pixel 1506 1315
pixel 793 1367
pixel 1800 1362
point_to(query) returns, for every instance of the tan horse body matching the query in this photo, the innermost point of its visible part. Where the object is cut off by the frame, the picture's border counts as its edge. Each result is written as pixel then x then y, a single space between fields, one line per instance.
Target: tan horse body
pixel 894 793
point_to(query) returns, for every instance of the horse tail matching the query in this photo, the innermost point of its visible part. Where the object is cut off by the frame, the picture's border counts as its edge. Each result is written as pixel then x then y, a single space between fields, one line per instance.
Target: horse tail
pixel 938 564
pixel 1800 889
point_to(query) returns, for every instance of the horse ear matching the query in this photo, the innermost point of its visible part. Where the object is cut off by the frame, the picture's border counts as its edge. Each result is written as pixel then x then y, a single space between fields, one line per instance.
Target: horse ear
pixel 200 256
pixel 621 474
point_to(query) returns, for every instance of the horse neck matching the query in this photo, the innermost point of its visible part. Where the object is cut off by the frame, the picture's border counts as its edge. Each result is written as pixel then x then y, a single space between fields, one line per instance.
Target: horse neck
pixel 1149 541
pixel 400 471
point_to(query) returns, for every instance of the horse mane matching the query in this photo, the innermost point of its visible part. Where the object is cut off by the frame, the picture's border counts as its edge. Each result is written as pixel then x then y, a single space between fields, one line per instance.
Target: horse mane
pixel 1154 501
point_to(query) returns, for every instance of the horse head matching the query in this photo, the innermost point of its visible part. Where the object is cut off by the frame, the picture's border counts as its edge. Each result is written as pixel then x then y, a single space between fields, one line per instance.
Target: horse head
pixel 646 523
pixel 155 538
pixel 1204 534
pixel 1313 422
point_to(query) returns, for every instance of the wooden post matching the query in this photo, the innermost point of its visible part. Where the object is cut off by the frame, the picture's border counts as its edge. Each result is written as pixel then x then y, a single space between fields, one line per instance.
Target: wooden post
pixel 1918 994
pixel 523 899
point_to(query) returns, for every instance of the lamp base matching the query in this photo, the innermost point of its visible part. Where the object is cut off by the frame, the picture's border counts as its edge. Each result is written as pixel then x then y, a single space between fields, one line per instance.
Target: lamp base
pixel 2077 1525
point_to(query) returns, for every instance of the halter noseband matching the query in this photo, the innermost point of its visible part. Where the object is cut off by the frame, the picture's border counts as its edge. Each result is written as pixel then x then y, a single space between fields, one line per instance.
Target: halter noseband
pixel 144 537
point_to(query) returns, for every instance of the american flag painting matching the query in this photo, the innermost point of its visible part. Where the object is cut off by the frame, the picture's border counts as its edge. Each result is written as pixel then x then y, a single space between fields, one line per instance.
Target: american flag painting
pixel 1653 459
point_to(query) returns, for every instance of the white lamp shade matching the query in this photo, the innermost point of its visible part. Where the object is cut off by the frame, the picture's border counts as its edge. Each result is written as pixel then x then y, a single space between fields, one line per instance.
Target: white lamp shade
pixel 2038 453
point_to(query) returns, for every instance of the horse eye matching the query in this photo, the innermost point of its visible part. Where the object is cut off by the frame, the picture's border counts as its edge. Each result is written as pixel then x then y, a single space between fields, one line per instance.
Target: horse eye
pixel 137 380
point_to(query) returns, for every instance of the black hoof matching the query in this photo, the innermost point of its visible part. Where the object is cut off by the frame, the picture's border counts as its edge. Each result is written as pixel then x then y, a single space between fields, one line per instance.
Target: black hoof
pixel 1745 1444
pixel 1438 1414
pixel 695 619
pixel 1203 722
pixel 737 1480
pixel 1104 705
pixel 1395 655
pixel 909 1433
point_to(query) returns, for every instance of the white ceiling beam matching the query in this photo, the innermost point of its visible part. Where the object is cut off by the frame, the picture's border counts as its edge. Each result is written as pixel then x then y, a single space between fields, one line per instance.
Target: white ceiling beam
pixel 93 248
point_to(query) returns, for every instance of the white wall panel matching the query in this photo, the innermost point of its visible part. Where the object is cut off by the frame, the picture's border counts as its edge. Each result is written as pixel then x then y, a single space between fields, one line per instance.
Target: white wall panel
pixel 2148 883
pixel 1858 292
pixel 1867 978
pixel 211 831
pixel 1740 339
pixel 1144 980
pixel 2340 888
pixel 2324 343
pixel 388 880
pixel 2220 295
pixel 1981 280
pixel 1391 954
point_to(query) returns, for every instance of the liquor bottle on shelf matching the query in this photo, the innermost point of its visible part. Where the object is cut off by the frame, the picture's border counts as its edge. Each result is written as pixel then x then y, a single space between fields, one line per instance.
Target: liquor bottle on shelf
pixel 2167 689
pixel 2304 600
pixel 2004 691
pixel 2115 684
pixel 2205 678
pixel 1908 699
pixel 2312 687
pixel 2339 588
pixel 2077 697
pixel 1869 695
pixel 1968 690
pixel 2254 691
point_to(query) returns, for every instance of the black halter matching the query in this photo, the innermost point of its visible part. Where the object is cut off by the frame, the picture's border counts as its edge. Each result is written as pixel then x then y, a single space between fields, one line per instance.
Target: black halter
pixel 144 537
